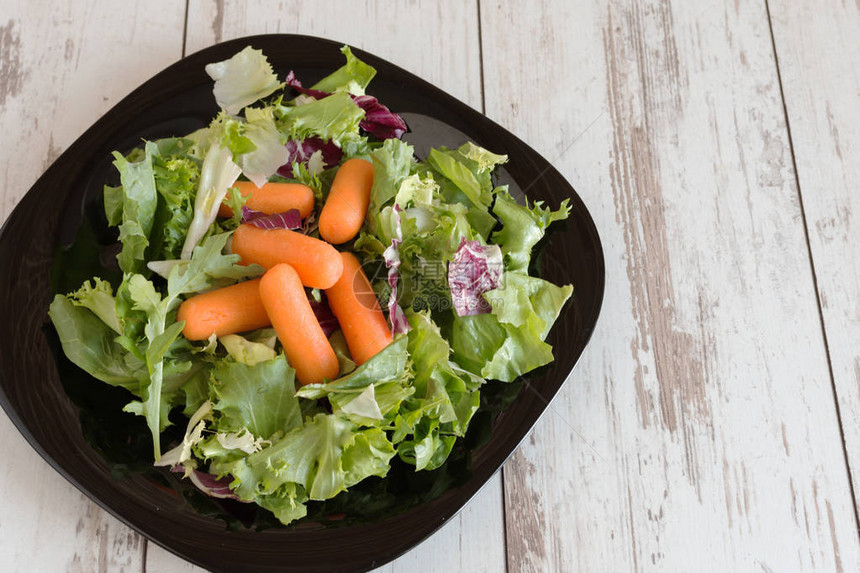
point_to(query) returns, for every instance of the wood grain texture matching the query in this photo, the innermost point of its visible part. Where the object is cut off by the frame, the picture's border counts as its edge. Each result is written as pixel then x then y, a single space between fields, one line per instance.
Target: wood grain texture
pixel 699 432
pixel 819 59
pixel 401 33
pixel 61 67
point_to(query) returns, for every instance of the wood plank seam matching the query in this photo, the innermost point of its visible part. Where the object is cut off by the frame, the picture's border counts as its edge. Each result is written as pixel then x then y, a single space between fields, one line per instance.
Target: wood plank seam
pixel 812 266
pixel 484 111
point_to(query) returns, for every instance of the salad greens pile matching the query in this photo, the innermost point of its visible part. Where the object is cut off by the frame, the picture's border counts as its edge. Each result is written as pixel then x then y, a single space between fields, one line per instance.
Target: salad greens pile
pixel 451 254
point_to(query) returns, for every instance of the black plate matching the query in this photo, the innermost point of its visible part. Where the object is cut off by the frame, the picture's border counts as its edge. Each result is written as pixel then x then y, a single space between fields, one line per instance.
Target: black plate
pixel 36 382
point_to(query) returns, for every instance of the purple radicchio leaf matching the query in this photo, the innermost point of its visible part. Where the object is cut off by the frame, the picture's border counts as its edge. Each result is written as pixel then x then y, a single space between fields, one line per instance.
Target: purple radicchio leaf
pixel 324 316
pixel 392 261
pixel 379 121
pixel 301 152
pixel 292 81
pixel 286 220
pixel 475 269
pixel 209 484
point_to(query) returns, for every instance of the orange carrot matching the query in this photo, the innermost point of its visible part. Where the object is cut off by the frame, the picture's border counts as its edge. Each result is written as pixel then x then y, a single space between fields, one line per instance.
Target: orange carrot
pixel 317 262
pixel 306 346
pixel 354 303
pixel 227 310
pixel 346 205
pixel 273 198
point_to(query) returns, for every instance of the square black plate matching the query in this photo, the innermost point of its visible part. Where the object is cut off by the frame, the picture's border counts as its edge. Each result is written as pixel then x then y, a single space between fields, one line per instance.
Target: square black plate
pixel 35 381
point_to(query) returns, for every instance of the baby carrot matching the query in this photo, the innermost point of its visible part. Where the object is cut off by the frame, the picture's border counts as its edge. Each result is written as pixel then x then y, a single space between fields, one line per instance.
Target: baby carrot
pixel 346 205
pixel 273 198
pixel 306 347
pixel 227 310
pixel 354 303
pixel 317 262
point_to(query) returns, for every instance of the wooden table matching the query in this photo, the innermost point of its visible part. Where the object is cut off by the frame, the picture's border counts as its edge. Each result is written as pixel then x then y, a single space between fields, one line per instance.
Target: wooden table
pixel 714 422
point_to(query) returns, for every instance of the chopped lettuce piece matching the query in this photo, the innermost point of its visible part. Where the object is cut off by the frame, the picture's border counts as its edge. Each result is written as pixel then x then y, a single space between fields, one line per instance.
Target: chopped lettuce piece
pixel 242 80
pixel 392 164
pixel 216 176
pixel 353 77
pixel 89 343
pixel 485 160
pixel 98 297
pixel 259 398
pixel 334 118
pixel 387 371
pixel 139 200
pixel 268 153
pixel 324 456
pixel 510 341
pixel 523 227
pixel 246 351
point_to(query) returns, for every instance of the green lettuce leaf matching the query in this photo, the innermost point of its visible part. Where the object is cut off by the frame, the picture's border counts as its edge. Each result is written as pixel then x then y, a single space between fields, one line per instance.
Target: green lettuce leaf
pixel 89 343
pixel 217 175
pixel 353 77
pixel 325 456
pixel 334 118
pixel 391 165
pixel 139 201
pixel 98 297
pixel 259 398
pixel 510 341
pixel 523 227
pixel 246 351
pixel 465 181
pixel 485 160
pixel 242 80
pixel 176 178
pixel 445 399
pixel 370 392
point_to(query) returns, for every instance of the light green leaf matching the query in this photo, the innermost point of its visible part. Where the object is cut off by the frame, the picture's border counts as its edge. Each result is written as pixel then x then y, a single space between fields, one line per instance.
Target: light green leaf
pixel 522 227
pixel 242 80
pixel 89 343
pixel 139 201
pixel 352 77
pixel 98 297
pixel 243 350
pixel 259 398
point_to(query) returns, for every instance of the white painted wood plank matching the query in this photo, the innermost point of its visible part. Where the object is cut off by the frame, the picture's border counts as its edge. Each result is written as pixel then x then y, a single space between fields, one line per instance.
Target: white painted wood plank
pixel 435 40
pixel 699 432
pixel 819 60
pixel 62 66
pixel 439 42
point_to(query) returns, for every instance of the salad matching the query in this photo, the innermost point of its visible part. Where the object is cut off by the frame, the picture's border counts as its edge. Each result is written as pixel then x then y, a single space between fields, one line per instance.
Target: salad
pixel 304 294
